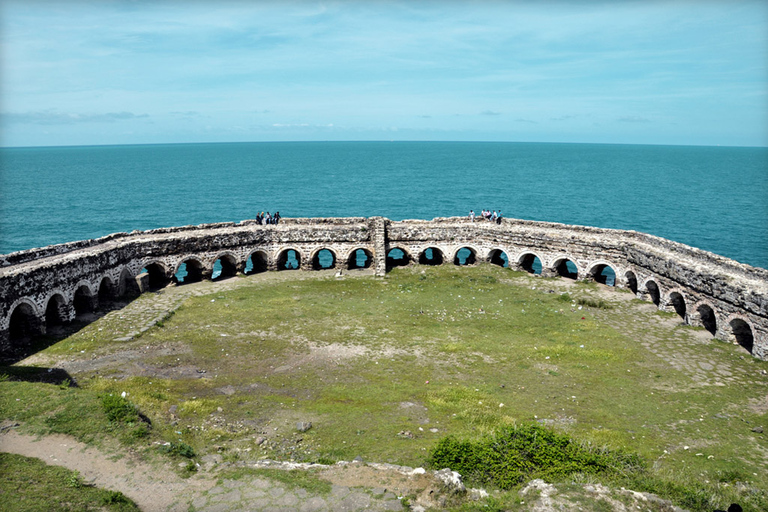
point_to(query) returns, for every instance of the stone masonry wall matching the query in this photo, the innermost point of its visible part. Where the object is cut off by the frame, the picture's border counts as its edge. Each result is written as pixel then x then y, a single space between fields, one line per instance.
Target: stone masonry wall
pixel 54 283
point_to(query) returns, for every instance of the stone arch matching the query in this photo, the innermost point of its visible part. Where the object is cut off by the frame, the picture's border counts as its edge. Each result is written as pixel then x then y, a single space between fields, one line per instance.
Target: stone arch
pixel 57 310
pixel 320 254
pixel 190 269
pixel 24 321
pixel 465 253
pixel 630 278
pixel 107 290
pixel 157 274
pixel 498 257
pixel 597 272
pixel 228 262
pixel 527 261
pixel 288 259
pixel 431 256
pixel 259 262
pixel 84 300
pixel 706 317
pixel 742 332
pixel 653 290
pixel 397 257
pixel 676 302
pixel 126 284
pixel 356 255
pixel 562 269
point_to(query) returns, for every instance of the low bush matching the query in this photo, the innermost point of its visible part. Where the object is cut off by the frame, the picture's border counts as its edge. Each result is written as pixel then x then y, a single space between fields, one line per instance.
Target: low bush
pixel 118 408
pixel 518 453
pixel 181 448
pixel 592 303
pixel 113 498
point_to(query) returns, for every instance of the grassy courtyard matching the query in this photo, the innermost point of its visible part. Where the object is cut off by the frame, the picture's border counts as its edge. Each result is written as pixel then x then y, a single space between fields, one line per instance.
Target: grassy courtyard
pixel 385 368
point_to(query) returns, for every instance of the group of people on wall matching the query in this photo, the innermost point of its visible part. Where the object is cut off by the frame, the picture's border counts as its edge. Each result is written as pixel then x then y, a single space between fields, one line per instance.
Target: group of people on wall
pixel 266 218
pixel 492 216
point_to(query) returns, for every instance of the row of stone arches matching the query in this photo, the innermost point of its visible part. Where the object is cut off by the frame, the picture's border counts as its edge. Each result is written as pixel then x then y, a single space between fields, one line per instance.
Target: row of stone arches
pixel 193 268
pixel 564 266
pixel 694 312
pixel 28 319
pixel 398 256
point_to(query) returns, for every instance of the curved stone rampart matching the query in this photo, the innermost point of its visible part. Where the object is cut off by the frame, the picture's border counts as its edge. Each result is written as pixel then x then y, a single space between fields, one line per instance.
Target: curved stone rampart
pixel 56 284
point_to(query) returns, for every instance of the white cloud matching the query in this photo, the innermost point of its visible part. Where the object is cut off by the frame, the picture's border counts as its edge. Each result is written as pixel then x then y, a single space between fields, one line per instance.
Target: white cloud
pixel 51 117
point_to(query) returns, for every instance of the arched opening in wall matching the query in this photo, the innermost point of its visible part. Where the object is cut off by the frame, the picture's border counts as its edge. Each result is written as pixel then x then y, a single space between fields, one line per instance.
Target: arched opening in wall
pixel 157 276
pixel 431 256
pixel 24 325
pixel 530 263
pixel 257 262
pixel 707 318
pixel 631 281
pixel 190 271
pixel 465 256
pixel 323 259
pixel 56 311
pixel 742 332
pixel 289 259
pixel 107 291
pixel 224 267
pixel 498 257
pixel 84 302
pixel 360 258
pixel 603 274
pixel 677 301
pixel 397 257
pixel 127 286
pixel 653 292
pixel 566 268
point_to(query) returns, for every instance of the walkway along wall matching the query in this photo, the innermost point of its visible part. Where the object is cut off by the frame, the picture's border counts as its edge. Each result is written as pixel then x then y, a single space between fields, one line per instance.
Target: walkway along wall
pixel 56 284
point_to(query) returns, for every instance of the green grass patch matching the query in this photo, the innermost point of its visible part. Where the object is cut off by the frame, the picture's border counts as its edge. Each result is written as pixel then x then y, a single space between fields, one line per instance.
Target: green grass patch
pixel 292 479
pixel 29 485
pixel 429 351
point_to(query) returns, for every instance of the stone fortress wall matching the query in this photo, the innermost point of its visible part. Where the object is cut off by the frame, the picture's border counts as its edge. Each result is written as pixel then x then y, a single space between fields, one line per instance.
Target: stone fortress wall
pixel 57 284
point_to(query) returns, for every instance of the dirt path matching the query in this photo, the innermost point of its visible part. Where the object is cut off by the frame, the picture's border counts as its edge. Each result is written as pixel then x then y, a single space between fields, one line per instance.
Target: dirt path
pixel 154 488
pixel 150 487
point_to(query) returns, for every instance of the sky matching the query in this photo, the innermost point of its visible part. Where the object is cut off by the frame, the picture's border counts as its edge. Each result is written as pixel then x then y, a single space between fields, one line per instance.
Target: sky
pixel 76 72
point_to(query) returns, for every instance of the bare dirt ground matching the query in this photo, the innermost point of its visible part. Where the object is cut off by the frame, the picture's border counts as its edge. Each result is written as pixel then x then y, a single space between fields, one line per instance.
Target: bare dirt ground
pixel 355 486
pixel 152 488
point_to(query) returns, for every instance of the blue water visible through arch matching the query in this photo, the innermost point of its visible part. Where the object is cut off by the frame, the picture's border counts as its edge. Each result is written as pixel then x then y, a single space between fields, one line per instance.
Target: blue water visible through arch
pixel 714 198
pixel 609 276
pixel 463 255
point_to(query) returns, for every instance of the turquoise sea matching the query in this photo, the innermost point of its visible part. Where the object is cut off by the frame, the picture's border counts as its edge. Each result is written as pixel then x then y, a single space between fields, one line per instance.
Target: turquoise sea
pixel 714 198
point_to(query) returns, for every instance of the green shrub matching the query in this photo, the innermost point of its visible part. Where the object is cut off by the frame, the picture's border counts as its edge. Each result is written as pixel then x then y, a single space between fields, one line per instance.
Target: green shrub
pixel 113 498
pixel 519 453
pixel 118 408
pixel 181 448
pixel 140 431
pixel 600 303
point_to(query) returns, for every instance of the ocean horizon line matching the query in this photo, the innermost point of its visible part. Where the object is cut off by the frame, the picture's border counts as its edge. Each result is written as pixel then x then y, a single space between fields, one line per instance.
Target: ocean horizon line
pixel 381 141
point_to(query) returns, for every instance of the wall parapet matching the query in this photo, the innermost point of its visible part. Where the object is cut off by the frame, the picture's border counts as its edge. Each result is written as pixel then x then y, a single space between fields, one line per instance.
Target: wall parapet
pixel 53 284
